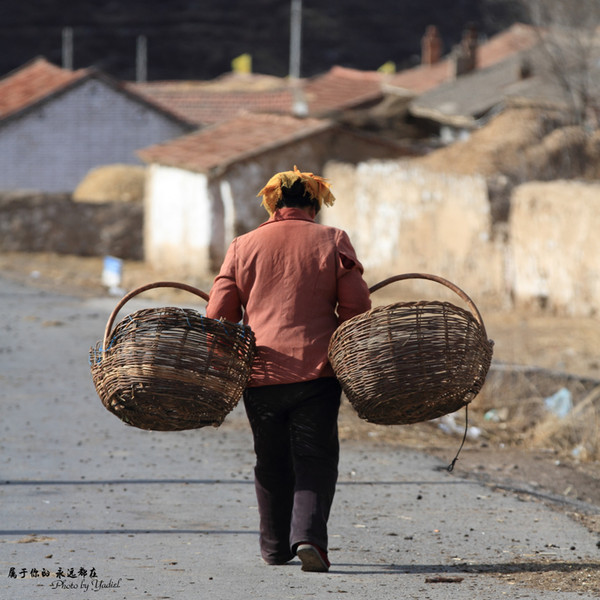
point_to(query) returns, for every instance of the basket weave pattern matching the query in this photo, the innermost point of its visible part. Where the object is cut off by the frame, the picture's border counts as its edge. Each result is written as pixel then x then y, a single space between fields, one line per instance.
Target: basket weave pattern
pixel 411 361
pixel 169 369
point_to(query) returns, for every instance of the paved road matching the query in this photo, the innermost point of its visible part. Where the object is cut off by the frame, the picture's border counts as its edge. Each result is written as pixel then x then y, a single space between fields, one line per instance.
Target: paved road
pixel 125 513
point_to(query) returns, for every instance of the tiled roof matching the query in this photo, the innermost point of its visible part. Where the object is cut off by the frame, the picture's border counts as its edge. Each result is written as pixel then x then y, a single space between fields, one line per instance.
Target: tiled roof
pixel 422 78
pixel 207 102
pixel 230 141
pixel 507 43
pixel 419 79
pixel 201 103
pixel 341 88
pixel 40 80
pixel 33 82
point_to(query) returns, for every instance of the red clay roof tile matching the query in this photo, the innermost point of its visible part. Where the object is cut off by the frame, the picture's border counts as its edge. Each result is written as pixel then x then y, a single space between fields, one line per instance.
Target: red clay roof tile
pixel 203 104
pixel 31 83
pixel 211 102
pixel 341 88
pixel 242 137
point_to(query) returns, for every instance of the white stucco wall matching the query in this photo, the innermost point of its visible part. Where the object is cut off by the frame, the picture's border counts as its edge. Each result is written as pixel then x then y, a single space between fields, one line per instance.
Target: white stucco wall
pixel 178 221
pixel 230 197
pixel 52 147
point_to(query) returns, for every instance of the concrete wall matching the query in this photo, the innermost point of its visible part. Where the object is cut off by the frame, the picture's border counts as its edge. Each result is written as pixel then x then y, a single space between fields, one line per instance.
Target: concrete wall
pixel 54 223
pixel 555 247
pixel 52 147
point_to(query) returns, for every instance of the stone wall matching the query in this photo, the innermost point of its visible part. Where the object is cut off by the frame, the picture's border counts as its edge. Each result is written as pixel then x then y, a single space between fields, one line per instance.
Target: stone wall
pixel 555 247
pixel 54 223
pixel 405 219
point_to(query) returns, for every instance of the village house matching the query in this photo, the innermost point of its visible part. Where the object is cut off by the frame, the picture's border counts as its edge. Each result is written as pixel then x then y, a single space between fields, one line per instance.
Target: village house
pixel 57 124
pixel 201 188
pixel 380 103
pixel 456 108
pixel 424 94
pixel 470 55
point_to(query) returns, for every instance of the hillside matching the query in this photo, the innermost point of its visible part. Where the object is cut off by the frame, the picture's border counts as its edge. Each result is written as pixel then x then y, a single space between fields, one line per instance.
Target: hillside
pixel 198 40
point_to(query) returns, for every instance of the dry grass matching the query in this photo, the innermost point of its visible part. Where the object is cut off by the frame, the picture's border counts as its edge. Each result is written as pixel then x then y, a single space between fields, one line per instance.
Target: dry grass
pixel 521 143
pixel 576 433
pixel 509 412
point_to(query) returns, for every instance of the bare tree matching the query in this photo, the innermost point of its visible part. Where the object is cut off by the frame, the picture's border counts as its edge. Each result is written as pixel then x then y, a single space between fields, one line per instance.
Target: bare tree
pixel 570 51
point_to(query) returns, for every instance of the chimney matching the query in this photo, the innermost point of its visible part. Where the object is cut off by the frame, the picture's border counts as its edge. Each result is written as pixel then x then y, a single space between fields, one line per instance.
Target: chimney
pixel 431 46
pixel 469 45
pixel 464 55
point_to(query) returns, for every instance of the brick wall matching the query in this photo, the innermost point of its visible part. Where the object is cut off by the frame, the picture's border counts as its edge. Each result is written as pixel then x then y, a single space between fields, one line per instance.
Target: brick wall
pixel 51 148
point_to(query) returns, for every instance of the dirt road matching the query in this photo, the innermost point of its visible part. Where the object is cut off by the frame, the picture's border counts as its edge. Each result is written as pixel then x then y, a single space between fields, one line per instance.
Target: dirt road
pixel 173 515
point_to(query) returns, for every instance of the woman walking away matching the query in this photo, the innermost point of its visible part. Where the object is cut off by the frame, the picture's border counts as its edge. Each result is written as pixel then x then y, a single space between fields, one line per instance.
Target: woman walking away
pixel 293 281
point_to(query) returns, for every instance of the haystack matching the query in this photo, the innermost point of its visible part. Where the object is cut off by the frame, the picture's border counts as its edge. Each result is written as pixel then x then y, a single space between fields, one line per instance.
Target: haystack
pixel 112 183
pixel 507 142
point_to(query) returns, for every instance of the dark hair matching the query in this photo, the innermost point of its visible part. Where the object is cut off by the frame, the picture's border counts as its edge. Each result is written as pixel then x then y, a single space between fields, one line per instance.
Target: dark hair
pixel 297 197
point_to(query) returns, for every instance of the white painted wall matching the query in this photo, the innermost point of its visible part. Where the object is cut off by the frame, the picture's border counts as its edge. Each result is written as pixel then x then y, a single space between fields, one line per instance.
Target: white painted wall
pixel 178 220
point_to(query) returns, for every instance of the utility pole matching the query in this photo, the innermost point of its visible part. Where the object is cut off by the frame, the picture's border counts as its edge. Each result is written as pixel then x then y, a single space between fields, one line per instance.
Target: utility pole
pixel 141 62
pixel 300 108
pixel 67 48
pixel 295 38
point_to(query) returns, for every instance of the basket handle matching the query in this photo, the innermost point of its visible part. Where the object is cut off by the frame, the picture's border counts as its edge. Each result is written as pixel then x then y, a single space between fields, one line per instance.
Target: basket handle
pixel 438 279
pixel 139 290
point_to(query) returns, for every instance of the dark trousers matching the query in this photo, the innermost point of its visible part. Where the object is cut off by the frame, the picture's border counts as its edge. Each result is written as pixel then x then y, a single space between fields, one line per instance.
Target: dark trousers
pixel 297 452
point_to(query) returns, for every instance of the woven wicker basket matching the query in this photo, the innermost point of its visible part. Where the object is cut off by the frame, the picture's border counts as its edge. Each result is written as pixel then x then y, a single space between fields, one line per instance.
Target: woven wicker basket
pixel 411 361
pixel 169 369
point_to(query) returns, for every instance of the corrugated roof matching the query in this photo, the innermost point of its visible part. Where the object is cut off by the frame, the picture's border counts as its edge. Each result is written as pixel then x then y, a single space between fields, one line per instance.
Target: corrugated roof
pixel 230 141
pixel 423 78
pixel 460 102
pixel 33 82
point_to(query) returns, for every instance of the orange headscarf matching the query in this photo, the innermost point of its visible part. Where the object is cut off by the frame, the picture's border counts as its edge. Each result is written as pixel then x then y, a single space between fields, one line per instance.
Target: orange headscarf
pixel 317 188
